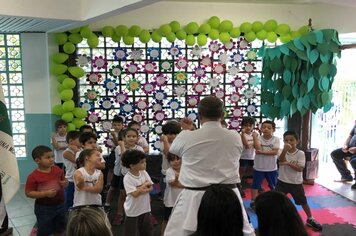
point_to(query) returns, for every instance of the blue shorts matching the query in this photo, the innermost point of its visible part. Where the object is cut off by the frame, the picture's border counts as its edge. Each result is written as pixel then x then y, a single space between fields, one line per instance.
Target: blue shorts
pixel 69 193
pixel 50 219
pixel 259 176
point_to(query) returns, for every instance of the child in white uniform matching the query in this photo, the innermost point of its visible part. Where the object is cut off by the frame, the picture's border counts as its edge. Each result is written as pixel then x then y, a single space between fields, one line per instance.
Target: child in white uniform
pixel 59 142
pixel 138 185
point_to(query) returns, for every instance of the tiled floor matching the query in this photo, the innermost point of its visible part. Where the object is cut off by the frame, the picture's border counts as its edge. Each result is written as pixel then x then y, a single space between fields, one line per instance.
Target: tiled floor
pixel 22 218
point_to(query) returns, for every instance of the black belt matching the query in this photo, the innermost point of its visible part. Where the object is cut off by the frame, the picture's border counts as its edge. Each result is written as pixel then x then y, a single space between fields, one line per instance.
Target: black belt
pixel 232 186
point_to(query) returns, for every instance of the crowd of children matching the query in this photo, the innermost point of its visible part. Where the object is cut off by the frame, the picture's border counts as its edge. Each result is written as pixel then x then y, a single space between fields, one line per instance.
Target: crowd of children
pixel 72 177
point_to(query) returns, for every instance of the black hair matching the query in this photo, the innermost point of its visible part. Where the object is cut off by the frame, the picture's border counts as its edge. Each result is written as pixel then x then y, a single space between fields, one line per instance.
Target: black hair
pixel 71 135
pixel 292 133
pixel 211 107
pixel 132 123
pixel 118 119
pixel 220 213
pixel 86 136
pixel 269 122
pixel 124 133
pixel 171 127
pixel 60 122
pixel 172 157
pixel 248 120
pixel 83 155
pixel 83 127
pixel 132 157
pixel 277 215
pixel 39 151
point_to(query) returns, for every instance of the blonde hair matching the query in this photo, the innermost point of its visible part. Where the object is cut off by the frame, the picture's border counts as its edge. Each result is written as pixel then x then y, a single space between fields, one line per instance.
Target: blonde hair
pixel 88 221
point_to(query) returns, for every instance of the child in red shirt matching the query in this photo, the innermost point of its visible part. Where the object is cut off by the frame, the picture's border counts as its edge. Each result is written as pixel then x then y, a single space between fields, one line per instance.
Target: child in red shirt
pixel 46 184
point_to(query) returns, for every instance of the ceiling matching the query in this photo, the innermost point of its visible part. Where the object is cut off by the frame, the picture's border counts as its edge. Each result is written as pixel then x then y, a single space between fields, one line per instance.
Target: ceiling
pixel 19 24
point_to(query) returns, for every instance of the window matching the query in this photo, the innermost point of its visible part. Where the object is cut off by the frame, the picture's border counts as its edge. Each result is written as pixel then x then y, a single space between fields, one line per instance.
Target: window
pixel 12 84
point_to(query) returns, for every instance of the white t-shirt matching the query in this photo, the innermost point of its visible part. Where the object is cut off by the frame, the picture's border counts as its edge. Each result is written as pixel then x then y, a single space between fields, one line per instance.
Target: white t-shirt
pixel 289 175
pixel 165 163
pixel 267 162
pixel 171 193
pixel 58 154
pixel 70 166
pixel 248 153
pixel 119 169
pixel 135 206
pixel 83 197
pixel 142 142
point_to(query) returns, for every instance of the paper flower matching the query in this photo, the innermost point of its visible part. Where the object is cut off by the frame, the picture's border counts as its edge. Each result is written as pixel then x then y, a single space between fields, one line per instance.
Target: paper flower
pixel 192 101
pixel 251 109
pixel 214 82
pixel 136 54
pixel 238 83
pixel 159 95
pixel 233 70
pixel 108 143
pixel 166 65
pixel 236 57
pixel 99 62
pixel 157 129
pixel 174 51
pixel 144 128
pixel 219 93
pixel 87 105
pixel 174 104
pixel 121 97
pixel 181 63
pixel 249 93
pixel 132 68
pixel 219 68
pixel 120 54
pixel 133 85
pixel 251 55
pixel 199 72
pixel 115 71
pixel 160 79
pixel 156 145
pixel 157 106
pixel 149 67
pixel 180 90
pixel 193 115
pixel 236 112
pixel 93 78
pixel 243 44
pixel 196 51
pixel 214 46
pixel 180 76
pixel 229 46
pixel 153 53
pixel 91 94
pixel 249 67
pixel 82 60
pixel 127 108
pixel 199 88
pixel 159 115
pixel 106 103
pixel 141 104
pixel 93 117
pixel 148 87
pixel 235 97
pixel 106 125
pixel 234 123
pixel 206 61
pixel 138 117
pixel 254 80
pixel 224 58
pixel 110 85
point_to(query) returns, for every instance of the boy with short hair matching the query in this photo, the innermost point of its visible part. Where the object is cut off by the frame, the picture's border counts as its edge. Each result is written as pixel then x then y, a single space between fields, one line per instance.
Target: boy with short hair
pixel 88 141
pixel 290 179
pixel 59 141
pixel 141 140
pixel 46 184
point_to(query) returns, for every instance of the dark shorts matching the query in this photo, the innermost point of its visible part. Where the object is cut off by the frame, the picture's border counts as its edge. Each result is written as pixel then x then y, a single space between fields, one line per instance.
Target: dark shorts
pixel 296 190
pixel 117 181
pixel 50 219
pixel 245 163
pixel 110 160
pixel 259 176
pixel 167 213
pixel 139 225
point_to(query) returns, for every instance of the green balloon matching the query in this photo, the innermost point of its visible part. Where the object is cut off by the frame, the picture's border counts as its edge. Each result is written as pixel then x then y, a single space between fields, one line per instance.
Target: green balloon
pixel 250 36
pixel 121 30
pixel 57 110
pixel 225 26
pixel 271 37
pixel 175 26
pixel 80 112
pixel 285 38
pixel 108 31
pixel 66 95
pixel 295 34
pixel 85 32
pixel 58 69
pixel 190 40
pixel 59 57
pixel 213 34
pixel 303 30
pixel 156 36
pixel 245 27
pixel 68 106
pixel 235 32
pixel 282 29
pixel 202 39
pixel 192 28
pixel 78 122
pixel 69 48
pixel 171 37
pixel 145 36
pixel 69 83
pixel 93 41
pixel 181 34
pixel 75 38
pixel 224 37
pixel 134 30
pixel 165 29
pixel 214 22
pixel 116 38
pixel 74 31
pixel 204 28
pixel 128 39
pixel 70 127
pixel 61 78
pixel 261 35
pixel 257 26
pixel 60 38
pixel 270 25
pixel 76 71
pixel 60 88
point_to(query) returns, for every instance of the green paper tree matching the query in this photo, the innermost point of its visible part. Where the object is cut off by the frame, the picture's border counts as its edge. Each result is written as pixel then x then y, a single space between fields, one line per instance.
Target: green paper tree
pixel 298 75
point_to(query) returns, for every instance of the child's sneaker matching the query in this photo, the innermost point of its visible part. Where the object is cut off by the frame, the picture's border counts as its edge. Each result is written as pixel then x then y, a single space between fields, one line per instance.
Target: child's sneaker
pixel 118 219
pixel 311 222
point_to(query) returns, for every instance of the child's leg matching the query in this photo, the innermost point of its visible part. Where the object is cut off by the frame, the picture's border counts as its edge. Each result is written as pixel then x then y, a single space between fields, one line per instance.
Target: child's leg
pixel 271 177
pixel 69 193
pixel 109 196
pixel 145 228
pixel 121 201
pixel 258 177
pixel 59 221
pixel 167 214
pixel 131 226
